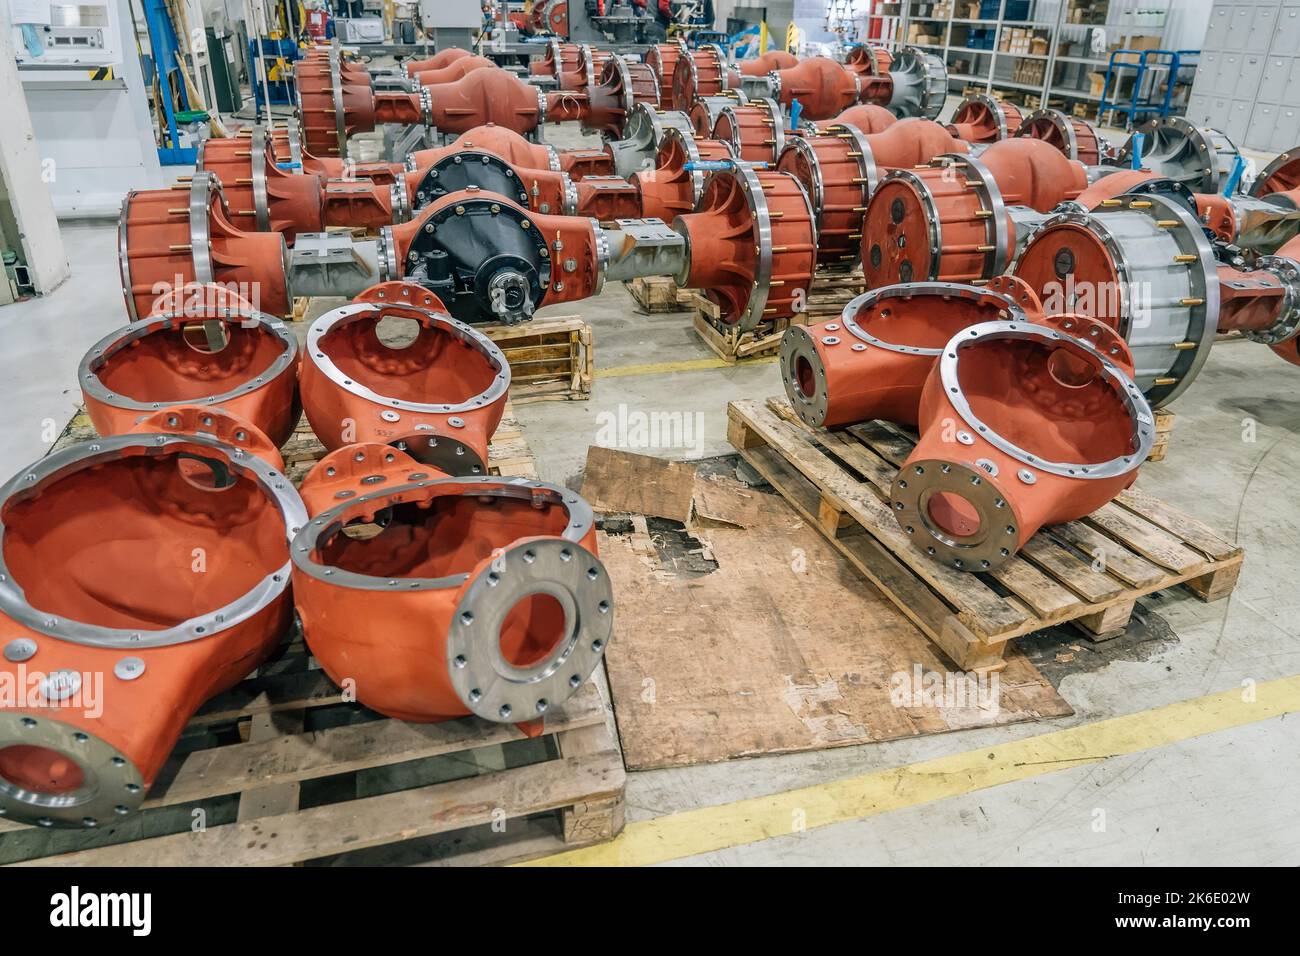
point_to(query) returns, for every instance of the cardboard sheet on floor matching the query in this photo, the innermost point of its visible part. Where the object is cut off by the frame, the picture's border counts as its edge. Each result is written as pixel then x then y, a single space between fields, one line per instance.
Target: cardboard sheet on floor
pixel 782 647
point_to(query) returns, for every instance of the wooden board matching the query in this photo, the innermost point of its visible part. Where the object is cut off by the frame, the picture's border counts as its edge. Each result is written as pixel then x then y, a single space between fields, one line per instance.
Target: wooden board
pixel 782 647
pixel 840 479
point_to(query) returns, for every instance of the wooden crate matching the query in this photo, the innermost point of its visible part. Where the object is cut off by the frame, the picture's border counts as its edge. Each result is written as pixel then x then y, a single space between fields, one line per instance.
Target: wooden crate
pixel 659 294
pixel 551 359
pixel 286 731
pixel 826 300
pixel 840 481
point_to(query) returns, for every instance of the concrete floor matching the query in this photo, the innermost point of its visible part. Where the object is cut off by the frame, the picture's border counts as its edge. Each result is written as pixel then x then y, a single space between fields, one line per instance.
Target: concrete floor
pixel 1219 799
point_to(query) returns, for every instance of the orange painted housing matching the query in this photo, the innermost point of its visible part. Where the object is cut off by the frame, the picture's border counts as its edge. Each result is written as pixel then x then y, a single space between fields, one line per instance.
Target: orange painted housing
pixel 1020 427
pixel 755 132
pixel 235 359
pixel 823 87
pixel 1074 137
pixel 985 119
pixel 142 574
pixel 670 189
pixel 488 96
pixel 473 595
pixel 453 71
pixel 702 72
pixel 444 57
pixel 873 361
pixel 867 117
pixel 180 237
pixel 662 60
pixel 767 62
pixel 868 60
pixel 439 397
pixel 558 58
pixel 840 168
pixel 748 275
pixel 622 85
pixel 951 222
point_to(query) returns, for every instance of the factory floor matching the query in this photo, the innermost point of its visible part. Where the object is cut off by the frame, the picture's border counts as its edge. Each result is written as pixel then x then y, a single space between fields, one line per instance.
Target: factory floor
pixel 1187 784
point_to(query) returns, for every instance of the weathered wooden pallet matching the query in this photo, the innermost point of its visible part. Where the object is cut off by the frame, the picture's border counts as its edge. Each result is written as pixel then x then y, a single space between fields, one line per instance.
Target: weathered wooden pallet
pixel 281 770
pixel 659 294
pixel 551 358
pixel 830 292
pixel 1088 572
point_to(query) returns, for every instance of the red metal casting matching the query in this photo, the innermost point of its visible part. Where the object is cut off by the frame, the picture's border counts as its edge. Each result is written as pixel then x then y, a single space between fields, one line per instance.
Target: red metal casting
pixel 453 71
pixel 1071 135
pixel 441 597
pixel 241 361
pixel 670 190
pixel 868 60
pixel 142 574
pixel 839 168
pixel 445 57
pixel 702 72
pixel 662 59
pixel 823 87
pixel 867 117
pixel 755 132
pixel 874 360
pixel 178 237
pixel 951 222
pixel 752 245
pixel 225 426
pixel 1020 427
pixel 767 62
pixel 984 119
pixel 436 389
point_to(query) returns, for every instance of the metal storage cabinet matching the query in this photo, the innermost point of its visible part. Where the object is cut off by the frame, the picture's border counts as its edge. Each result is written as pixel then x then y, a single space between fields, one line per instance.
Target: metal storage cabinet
pixel 1248 81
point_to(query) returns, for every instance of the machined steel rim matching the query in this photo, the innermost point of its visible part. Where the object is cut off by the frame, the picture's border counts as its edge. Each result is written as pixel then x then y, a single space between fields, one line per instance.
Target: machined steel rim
pixel 1135 404
pixel 374 310
pixel 114 342
pixel 257 157
pixel 28 482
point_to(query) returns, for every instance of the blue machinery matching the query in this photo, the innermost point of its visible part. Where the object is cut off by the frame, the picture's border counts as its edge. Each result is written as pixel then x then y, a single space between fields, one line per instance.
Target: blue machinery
pixel 274 57
pixel 1149 66
pixel 165 67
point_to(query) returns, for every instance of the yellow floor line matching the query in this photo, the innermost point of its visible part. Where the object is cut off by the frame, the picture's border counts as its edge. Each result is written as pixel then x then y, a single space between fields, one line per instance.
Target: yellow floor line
pixel 692 832
pixel 689 365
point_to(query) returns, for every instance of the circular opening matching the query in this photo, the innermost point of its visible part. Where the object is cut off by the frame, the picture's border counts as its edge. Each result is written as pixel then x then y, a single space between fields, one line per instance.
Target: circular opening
pixel 803 376
pixel 396 331
pixel 40 770
pixel 532 630
pixel 1070 370
pixel 953 514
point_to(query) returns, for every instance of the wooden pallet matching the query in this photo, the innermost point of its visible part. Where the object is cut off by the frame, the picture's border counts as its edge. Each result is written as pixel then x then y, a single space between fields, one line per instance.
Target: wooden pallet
pixel 282 770
pixel 830 292
pixel 508 453
pixel 551 359
pixel 659 294
pixel 840 481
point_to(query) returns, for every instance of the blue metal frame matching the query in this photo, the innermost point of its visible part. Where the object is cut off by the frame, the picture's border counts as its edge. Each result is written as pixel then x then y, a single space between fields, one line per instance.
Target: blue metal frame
pixel 166 55
pixel 281 90
pixel 1149 61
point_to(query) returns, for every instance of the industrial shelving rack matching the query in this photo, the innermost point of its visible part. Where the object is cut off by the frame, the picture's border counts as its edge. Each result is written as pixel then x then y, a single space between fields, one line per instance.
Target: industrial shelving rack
pixel 1064 25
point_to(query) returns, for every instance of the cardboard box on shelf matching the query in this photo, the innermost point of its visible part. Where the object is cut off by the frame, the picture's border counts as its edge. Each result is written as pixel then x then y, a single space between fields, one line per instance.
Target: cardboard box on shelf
pixel 1098 81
